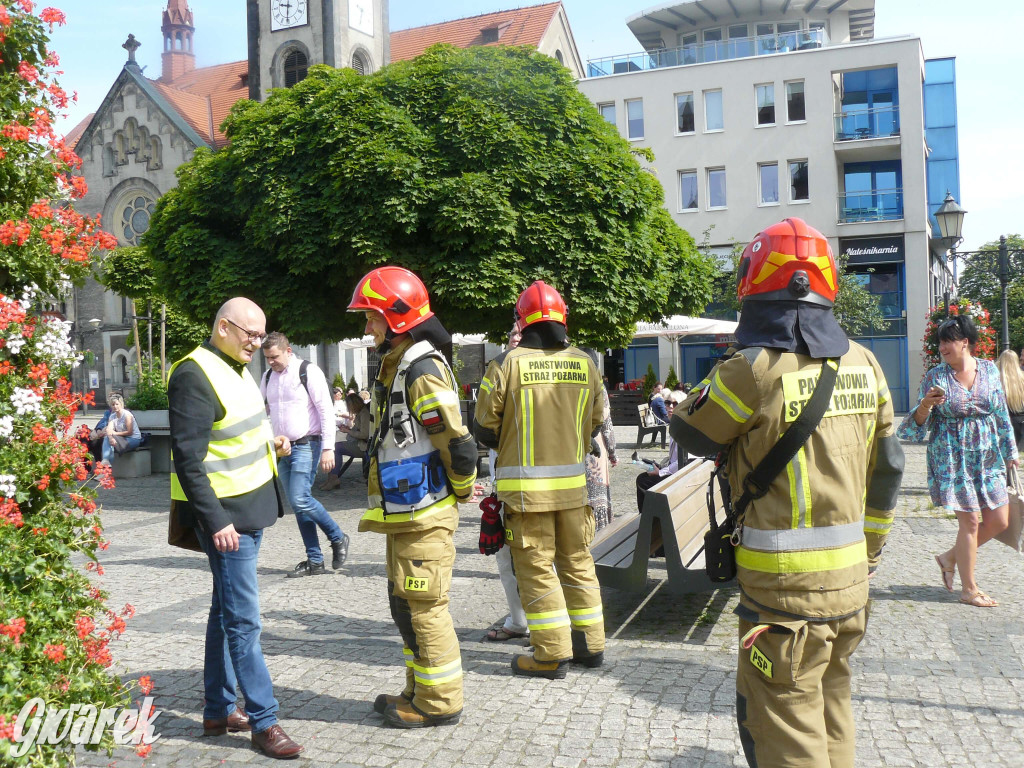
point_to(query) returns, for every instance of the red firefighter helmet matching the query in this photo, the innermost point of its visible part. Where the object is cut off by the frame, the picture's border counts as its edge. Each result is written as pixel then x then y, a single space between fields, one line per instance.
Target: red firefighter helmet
pixel 540 302
pixel 788 261
pixel 396 293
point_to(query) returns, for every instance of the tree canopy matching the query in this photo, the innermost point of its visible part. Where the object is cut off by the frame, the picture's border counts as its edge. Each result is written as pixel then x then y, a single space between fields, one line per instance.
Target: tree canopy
pixel 480 169
pixel 980 283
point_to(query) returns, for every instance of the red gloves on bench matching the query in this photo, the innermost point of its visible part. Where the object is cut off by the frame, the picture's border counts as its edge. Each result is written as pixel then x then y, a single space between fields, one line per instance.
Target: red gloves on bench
pixel 492 531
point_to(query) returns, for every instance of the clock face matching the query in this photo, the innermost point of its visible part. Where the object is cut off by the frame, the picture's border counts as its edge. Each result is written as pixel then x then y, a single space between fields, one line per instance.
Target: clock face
pixel 360 15
pixel 285 14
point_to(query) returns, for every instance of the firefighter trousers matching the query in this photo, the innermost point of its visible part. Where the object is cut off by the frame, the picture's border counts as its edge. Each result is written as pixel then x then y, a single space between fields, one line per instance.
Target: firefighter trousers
pixel 419 567
pixel 793 693
pixel 566 598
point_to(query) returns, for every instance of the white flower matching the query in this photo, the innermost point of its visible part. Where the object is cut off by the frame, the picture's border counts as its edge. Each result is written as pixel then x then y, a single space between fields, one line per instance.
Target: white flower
pixel 6 426
pixel 7 486
pixel 15 342
pixel 26 401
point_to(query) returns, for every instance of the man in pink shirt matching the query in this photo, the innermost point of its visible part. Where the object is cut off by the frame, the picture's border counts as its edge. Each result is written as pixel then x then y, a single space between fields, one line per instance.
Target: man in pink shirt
pixel 300 407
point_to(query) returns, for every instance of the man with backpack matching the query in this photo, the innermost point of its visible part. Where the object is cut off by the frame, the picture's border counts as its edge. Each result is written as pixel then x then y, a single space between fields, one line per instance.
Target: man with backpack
pixel 299 403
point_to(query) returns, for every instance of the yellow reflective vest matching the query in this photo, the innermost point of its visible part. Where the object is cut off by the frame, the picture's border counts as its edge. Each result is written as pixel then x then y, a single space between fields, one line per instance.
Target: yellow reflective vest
pixel 543 405
pixel 805 545
pixel 241 456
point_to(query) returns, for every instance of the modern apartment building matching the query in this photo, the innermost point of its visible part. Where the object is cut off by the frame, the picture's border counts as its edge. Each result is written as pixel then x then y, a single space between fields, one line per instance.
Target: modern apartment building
pixel 757 110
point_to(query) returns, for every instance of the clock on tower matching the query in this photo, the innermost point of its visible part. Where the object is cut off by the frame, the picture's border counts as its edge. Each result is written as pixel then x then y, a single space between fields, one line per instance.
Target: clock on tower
pixel 360 15
pixel 285 14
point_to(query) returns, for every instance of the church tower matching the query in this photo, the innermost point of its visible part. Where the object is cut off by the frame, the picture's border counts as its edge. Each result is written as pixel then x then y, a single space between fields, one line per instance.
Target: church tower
pixel 287 37
pixel 179 56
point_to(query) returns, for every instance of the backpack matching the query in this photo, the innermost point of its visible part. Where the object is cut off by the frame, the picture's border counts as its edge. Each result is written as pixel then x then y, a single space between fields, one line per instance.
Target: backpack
pixel 302 377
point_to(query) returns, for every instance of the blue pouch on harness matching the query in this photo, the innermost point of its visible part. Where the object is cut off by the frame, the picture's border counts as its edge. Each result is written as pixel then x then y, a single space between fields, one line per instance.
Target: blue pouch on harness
pixel 407 481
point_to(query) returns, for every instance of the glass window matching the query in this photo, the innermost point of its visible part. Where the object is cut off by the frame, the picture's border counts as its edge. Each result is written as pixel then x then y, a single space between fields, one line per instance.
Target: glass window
pixel 737 30
pixel 716 188
pixel 713 120
pixel 684 113
pixel 787 35
pixel 768 183
pixel 798 187
pixel 795 110
pixel 765 104
pixel 687 190
pixel 607 112
pixel 711 35
pixel 635 118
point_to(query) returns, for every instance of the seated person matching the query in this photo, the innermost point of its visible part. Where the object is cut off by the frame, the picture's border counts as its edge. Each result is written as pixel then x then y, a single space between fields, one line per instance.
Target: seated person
pixel 650 478
pixel 122 431
pixel 94 442
pixel 356 426
pixel 340 407
pixel 658 406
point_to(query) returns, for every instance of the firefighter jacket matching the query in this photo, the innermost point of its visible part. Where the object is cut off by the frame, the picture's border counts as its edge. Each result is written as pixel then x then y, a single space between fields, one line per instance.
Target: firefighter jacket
pixel 422 458
pixel 539 408
pixel 241 455
pixel 806 545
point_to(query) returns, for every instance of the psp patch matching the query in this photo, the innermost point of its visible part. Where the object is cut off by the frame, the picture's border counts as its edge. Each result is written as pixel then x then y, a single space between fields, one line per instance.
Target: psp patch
pixel 762 662
pixel 416 584
pixel 433 422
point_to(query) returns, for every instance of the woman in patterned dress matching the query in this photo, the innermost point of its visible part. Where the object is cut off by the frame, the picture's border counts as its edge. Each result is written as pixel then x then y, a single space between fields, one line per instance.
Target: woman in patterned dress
pixel 961 402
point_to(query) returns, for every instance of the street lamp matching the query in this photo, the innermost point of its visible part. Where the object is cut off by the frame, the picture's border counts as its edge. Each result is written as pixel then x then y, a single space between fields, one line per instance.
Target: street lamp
pixel 950 218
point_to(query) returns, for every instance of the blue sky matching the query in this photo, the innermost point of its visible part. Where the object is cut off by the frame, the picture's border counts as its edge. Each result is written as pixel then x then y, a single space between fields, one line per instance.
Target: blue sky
pixel 990 61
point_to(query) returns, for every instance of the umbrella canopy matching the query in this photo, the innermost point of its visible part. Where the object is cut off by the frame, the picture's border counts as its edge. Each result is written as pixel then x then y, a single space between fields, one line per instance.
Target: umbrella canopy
pixel 681 325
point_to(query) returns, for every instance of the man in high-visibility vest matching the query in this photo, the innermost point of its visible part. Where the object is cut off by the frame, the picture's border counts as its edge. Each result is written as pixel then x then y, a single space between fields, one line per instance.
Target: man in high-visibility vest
pixel 539 406
pixel 807 546
pixel 422 463
pixel 223 483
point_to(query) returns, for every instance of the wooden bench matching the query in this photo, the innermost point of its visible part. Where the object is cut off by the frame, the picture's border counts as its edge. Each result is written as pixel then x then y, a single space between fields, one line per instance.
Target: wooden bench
pixel 135 463
pixel 675 519
pixel 648 427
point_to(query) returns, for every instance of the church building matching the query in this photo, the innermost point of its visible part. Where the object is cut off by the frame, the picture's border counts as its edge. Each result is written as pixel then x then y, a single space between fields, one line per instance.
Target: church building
pixel 145 128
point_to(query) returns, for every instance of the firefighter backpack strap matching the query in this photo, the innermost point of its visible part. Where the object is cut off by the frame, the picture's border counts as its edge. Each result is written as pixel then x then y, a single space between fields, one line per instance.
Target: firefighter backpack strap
pixel 755 485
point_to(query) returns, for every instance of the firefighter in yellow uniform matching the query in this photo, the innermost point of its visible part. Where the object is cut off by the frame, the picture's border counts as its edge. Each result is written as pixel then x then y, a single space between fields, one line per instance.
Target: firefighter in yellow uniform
pixel 806 548
pixel 538 407
pixel 422 462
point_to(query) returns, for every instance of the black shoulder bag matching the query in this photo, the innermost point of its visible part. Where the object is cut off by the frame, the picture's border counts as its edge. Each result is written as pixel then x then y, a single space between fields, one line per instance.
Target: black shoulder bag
pixel 721 539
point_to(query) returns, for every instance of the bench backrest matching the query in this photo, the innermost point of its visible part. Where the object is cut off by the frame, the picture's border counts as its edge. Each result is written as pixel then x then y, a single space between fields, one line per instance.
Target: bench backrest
pixel 646 417
pixel 680 500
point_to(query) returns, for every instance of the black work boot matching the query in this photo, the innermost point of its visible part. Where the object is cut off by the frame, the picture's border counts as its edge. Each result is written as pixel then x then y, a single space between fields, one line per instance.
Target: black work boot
pixel 339 549
pixel 581 654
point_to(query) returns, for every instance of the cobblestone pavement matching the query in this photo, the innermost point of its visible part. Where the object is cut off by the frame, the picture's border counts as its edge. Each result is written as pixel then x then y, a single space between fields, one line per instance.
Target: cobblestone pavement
pixel 936 683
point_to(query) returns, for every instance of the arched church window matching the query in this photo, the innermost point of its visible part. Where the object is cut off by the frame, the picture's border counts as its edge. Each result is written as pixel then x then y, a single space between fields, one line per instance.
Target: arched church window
pixel 135 212
pixel 296 66
pixel 359 63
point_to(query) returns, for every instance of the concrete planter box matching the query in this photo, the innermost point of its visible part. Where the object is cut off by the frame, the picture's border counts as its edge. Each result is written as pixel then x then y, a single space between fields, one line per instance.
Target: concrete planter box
pixel 153 420
pixel 158 424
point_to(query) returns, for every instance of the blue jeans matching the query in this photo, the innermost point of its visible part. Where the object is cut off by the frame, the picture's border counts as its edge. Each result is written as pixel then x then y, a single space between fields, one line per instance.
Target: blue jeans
pixel 108 450
pixel 234 658
pixel 297 473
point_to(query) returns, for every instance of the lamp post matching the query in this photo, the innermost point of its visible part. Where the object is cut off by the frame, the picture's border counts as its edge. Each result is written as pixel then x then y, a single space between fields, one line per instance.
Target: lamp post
pixel 950 218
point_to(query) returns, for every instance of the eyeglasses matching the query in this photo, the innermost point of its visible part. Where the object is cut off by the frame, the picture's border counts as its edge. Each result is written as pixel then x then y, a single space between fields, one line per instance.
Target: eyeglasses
pixel 253 337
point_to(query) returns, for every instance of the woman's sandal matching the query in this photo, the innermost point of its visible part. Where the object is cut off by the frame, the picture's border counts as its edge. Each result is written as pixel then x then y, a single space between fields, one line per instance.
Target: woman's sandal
pixel 979 600
pixel 501 635
pixel 946 582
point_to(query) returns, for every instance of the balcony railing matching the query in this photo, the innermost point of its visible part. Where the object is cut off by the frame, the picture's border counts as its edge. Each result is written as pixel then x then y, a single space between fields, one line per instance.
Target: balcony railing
pixel 854 124
pixel 699 53
pixel 872 205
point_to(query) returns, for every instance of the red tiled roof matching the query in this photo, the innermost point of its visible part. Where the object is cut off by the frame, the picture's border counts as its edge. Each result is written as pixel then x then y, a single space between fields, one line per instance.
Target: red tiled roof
pixel 522 26
pixel 72 136
pixel 206 95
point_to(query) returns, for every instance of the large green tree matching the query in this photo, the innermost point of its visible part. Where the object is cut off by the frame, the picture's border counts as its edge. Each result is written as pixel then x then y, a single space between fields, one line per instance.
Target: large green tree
pixel 480 169
pixel 980 283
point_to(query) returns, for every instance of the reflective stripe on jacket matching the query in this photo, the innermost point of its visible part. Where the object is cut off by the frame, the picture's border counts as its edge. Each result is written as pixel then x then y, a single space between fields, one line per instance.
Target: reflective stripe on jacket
pixel 241 456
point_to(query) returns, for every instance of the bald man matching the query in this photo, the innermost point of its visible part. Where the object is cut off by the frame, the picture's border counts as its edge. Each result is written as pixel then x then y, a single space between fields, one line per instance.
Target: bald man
pixel 224 485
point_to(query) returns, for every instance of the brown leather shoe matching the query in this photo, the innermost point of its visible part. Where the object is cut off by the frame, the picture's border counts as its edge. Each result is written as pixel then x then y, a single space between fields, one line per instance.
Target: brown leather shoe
pixel 405 715
pixel 233 723
pixel 274 742
pixel 384 700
